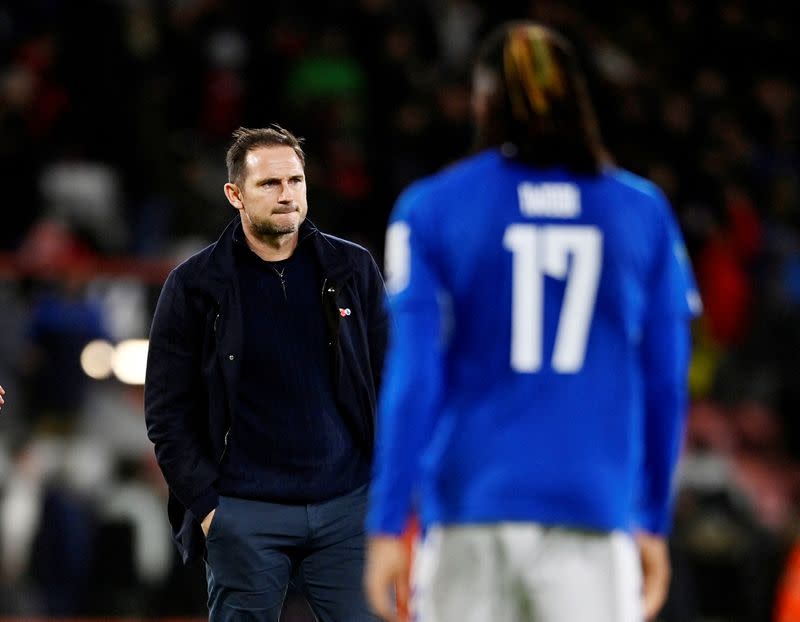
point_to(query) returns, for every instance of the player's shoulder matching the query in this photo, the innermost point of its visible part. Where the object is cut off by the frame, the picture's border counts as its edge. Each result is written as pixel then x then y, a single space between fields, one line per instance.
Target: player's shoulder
pixel 636 187
pixel 446 186
pixel 638 198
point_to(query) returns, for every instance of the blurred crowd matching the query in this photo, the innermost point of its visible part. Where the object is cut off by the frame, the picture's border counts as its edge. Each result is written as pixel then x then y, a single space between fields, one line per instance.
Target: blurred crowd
pixel 114 119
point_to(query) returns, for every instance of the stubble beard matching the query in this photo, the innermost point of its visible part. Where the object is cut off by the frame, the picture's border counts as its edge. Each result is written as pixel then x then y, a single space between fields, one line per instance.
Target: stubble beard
pixel 268 230
pixel 265 230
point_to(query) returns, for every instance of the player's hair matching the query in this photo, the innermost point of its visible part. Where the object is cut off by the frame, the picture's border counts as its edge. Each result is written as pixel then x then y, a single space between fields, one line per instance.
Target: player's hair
pixel 246 139
pixel 539 105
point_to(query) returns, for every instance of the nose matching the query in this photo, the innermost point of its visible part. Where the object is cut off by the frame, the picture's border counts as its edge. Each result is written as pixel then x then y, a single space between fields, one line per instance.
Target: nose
pixel 286 193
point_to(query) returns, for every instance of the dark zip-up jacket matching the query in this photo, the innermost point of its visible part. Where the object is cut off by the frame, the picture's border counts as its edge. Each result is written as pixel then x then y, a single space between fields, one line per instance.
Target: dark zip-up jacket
pixel 195 347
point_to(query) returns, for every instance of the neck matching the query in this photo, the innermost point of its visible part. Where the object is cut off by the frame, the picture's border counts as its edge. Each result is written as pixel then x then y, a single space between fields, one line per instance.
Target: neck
pixel 271 247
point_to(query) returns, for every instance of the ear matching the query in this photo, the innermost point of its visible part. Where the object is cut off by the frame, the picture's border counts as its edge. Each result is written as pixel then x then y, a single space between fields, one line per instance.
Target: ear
pixel 234 195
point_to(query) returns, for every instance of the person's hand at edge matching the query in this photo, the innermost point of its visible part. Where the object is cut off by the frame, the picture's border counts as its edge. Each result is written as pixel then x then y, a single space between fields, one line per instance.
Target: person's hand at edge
pixel 386 568
pixel 2 401
pixel 205 525
pixel 656 572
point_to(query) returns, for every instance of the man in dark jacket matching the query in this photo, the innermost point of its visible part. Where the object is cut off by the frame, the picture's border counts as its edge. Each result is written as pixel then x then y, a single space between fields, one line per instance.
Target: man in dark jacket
pixel 266 350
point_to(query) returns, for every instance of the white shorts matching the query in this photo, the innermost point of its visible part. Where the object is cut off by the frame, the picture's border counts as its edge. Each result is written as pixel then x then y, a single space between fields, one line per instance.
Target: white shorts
pixel 523 572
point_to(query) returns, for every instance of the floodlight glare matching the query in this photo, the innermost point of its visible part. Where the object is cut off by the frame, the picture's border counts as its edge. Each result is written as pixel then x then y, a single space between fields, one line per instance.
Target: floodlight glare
pixel 129 361
pixel 96 359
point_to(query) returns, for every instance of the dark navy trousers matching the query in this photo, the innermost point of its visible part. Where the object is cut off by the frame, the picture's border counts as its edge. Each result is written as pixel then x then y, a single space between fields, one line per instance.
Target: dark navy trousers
pixel 255 549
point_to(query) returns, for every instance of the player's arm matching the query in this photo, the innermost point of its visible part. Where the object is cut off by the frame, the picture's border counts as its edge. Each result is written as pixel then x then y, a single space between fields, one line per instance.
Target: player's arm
pixel 666 350
pixel 406 411
pixel 174 401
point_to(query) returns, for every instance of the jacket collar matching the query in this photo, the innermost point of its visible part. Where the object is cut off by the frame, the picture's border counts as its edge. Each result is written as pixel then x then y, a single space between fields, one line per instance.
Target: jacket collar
pixel 218 270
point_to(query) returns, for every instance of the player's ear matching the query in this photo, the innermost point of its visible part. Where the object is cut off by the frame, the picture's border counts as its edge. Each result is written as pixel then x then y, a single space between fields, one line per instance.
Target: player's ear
pixel 234 195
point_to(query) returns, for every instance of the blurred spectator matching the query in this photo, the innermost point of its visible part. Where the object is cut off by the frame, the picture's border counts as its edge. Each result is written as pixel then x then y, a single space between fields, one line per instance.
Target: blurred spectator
pixel 62 322
pixel 732 518
pixel 46 531
pixel 459 23
pixel 224 90
pixel 86 196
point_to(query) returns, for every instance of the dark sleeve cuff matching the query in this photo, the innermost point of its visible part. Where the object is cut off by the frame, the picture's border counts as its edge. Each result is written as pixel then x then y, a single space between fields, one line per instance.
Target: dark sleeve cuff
pixel 207 501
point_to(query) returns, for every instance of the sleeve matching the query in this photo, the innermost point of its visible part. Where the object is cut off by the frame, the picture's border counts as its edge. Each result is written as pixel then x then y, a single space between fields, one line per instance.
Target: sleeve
pixel 409 396
pixel 673 301
pixel 174 404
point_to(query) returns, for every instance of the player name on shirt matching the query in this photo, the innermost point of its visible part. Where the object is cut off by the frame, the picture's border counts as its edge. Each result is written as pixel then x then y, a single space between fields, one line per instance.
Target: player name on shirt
pixel 553 199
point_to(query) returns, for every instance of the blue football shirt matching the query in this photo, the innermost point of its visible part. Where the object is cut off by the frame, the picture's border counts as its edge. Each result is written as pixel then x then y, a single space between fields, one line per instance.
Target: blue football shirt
pixel 538 354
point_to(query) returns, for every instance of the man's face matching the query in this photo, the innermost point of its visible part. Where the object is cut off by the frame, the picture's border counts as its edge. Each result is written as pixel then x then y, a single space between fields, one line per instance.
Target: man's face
pixel 272 197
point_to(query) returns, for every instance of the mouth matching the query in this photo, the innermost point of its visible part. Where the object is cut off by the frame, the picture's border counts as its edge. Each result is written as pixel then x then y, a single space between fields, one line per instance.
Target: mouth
pixel 284 210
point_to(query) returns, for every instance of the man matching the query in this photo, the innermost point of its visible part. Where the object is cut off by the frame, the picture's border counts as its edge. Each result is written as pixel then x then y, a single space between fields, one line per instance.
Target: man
pixel 535 384
pixel 264 362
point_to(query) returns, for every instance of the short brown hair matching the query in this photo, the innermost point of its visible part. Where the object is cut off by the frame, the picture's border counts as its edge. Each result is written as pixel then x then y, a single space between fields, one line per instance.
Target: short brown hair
pixel 246 139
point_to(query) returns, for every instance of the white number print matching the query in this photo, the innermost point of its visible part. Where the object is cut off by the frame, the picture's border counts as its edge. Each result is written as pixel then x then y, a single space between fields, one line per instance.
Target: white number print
pixel 540 251
pixel 397 257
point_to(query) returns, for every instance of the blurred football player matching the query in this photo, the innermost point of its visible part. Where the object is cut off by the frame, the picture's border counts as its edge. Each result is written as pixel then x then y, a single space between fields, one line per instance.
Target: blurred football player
pixel 536 381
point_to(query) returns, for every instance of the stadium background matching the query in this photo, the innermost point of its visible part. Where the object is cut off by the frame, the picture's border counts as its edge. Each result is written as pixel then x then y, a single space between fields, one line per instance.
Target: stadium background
pixel 114 118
